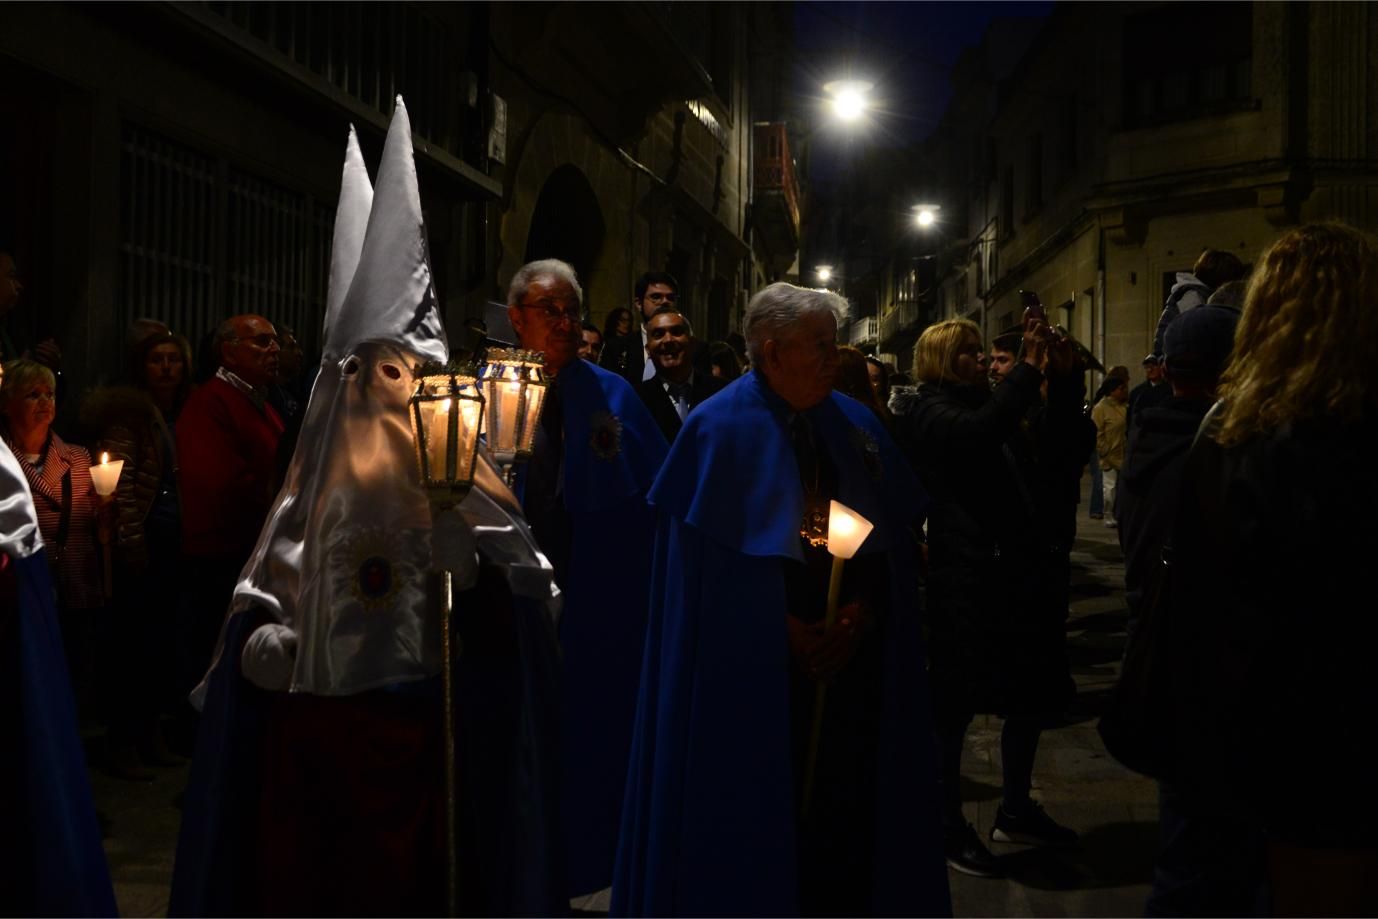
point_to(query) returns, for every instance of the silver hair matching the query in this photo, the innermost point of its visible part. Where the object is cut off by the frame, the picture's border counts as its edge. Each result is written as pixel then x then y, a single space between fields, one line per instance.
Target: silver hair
pixel 551 268
pixel 779 306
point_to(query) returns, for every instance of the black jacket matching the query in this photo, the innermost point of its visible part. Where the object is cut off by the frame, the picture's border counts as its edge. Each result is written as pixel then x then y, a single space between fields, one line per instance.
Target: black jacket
pixel 1272 632
pixel 1148 487
pixel 997 642
pixel 652 392
pixel 625 356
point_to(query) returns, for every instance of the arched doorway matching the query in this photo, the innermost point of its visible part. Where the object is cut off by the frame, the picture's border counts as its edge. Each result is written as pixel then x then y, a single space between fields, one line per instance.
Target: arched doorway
pixel 567 223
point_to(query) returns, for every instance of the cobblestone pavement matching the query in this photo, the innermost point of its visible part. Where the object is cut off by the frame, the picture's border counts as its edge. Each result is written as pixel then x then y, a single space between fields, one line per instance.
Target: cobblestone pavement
pixel 1081 786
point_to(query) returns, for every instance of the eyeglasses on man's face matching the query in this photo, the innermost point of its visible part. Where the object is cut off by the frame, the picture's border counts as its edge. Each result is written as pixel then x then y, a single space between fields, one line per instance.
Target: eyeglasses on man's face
pixel 263 340
pixel 556 311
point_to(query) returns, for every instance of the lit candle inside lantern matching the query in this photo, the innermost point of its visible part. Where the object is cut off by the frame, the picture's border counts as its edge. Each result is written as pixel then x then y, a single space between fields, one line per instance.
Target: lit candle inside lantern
pixel 106 475
pixel 437 437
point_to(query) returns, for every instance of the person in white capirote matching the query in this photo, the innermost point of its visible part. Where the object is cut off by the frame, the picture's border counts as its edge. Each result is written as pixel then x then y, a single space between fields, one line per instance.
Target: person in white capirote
pixel 318 781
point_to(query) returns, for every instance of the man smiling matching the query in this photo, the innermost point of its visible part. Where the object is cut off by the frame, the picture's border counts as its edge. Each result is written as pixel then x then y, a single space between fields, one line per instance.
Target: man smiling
pixel 675 389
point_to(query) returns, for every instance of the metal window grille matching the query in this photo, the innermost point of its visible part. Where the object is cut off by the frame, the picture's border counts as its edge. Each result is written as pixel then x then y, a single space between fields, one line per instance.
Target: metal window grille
pixel 167 250
pixel 201 241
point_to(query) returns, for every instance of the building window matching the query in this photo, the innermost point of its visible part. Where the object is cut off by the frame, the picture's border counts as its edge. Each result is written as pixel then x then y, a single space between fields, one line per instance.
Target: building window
pixel 1168 77
pixel 201 240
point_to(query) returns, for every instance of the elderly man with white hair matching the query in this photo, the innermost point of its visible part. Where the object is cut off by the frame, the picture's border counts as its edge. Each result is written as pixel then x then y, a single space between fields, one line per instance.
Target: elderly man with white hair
pixel 718 817
pixel 596 452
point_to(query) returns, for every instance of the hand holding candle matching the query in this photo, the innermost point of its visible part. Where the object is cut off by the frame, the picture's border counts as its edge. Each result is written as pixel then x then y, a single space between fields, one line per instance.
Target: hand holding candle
pixel 106 475
pixel 847 530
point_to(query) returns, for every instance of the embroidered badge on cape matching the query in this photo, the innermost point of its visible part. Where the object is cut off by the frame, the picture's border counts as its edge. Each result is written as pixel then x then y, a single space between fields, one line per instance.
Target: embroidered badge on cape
pixel 606 439
pixel 869 448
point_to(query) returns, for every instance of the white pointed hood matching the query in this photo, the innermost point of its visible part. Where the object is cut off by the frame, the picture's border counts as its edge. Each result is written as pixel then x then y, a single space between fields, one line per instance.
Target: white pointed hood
pixel 344 556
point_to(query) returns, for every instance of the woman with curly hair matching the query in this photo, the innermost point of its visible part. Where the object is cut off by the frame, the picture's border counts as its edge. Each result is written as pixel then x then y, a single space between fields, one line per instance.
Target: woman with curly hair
pixel 1270 656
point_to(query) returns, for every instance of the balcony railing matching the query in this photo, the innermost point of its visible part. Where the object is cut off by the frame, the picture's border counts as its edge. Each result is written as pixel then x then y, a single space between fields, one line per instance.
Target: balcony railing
pixel 774 167
pixel 862 332
pixel 903 317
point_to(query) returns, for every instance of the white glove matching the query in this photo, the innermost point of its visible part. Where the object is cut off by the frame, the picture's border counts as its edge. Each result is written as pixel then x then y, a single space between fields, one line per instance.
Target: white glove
pixel 269 657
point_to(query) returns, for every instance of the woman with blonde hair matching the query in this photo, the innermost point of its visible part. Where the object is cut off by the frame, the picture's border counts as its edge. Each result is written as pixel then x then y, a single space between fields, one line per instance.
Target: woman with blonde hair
pixel 996 639
pixel 1270 655
pixel 69 511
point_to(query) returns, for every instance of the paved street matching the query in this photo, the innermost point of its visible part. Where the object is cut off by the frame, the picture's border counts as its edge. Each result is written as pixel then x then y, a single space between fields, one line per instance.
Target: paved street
pixel 1113 809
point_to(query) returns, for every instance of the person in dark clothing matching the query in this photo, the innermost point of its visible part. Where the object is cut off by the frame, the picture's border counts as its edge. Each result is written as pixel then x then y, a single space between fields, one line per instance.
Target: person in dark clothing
pixel 996 643
pixel 629 355
pixel 678 387
pixel 1051 447
pixel 1194 874
pixel 1154 390
pixel 1272 700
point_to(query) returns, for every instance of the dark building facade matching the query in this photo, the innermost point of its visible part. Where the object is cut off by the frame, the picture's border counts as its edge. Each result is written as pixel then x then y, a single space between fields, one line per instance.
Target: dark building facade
pixel 180 161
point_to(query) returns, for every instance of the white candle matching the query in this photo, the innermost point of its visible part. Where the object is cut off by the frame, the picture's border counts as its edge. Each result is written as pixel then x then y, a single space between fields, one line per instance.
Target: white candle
pixel 106 475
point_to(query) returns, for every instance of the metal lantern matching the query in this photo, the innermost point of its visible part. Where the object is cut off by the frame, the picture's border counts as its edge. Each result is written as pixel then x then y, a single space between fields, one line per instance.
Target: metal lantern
pixel 514 388
pixel 446 413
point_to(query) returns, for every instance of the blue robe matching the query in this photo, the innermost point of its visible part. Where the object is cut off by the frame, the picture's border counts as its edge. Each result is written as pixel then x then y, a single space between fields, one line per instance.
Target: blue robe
pixel 608 467
pixel 709 823
pixel 57 866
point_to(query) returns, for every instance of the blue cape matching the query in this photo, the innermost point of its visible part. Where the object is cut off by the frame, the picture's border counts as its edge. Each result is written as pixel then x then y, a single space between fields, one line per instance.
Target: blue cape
pixel 613 450
pixel 64 873
pixel 709 818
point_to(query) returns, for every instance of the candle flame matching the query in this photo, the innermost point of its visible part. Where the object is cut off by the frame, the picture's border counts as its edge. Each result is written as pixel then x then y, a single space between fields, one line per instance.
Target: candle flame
pixel 104 459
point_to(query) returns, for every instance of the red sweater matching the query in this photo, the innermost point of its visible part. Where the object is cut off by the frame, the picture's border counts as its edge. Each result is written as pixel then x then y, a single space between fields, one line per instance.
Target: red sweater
pixel 226 461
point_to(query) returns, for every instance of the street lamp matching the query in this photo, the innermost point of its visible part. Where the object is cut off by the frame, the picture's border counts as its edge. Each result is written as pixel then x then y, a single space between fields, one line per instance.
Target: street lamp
pixel 825 273
pixel 925 215
pixel 849 98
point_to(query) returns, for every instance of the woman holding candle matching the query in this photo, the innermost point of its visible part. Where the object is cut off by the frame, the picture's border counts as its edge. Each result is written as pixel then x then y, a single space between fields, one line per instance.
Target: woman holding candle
pixel 69 510
pixel 135 423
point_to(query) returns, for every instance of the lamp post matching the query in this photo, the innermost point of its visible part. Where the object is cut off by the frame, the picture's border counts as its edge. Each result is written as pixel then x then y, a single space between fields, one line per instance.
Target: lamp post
pixel 514 387
pixel 847 530
pixel 446 413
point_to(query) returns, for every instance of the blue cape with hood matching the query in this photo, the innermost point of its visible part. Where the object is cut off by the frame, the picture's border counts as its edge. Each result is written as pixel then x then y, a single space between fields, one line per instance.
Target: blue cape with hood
pixel 709 822
pixel 613 450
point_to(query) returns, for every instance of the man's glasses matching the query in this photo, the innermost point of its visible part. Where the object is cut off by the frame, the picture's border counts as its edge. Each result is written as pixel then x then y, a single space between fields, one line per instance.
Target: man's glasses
pixel 556 313
pixel 262 341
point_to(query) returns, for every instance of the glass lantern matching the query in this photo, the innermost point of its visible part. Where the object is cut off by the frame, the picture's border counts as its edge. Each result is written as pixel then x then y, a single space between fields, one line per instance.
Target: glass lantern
pixel 446 414
pixel 514 388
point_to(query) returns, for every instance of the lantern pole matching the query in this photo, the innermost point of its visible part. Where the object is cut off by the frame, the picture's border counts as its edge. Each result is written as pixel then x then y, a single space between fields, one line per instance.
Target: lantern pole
pixel 446 478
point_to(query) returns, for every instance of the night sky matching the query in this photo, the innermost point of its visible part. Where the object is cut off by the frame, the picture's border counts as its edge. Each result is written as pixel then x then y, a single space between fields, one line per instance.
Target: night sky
pixel 906 49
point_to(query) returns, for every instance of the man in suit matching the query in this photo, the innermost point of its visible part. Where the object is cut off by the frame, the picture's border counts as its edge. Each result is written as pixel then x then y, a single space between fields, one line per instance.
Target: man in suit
pixel 676 388
pixel 629 356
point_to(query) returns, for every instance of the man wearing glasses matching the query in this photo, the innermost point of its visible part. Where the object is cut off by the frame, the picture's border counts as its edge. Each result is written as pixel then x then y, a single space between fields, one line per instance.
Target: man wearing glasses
pixel 630 355
pixel 584 493
pixel 227 441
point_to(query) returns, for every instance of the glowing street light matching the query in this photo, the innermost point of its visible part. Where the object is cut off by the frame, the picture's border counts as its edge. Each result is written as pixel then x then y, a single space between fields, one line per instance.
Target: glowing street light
pixel 848 98
pixel 825 273
pixel 925 215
